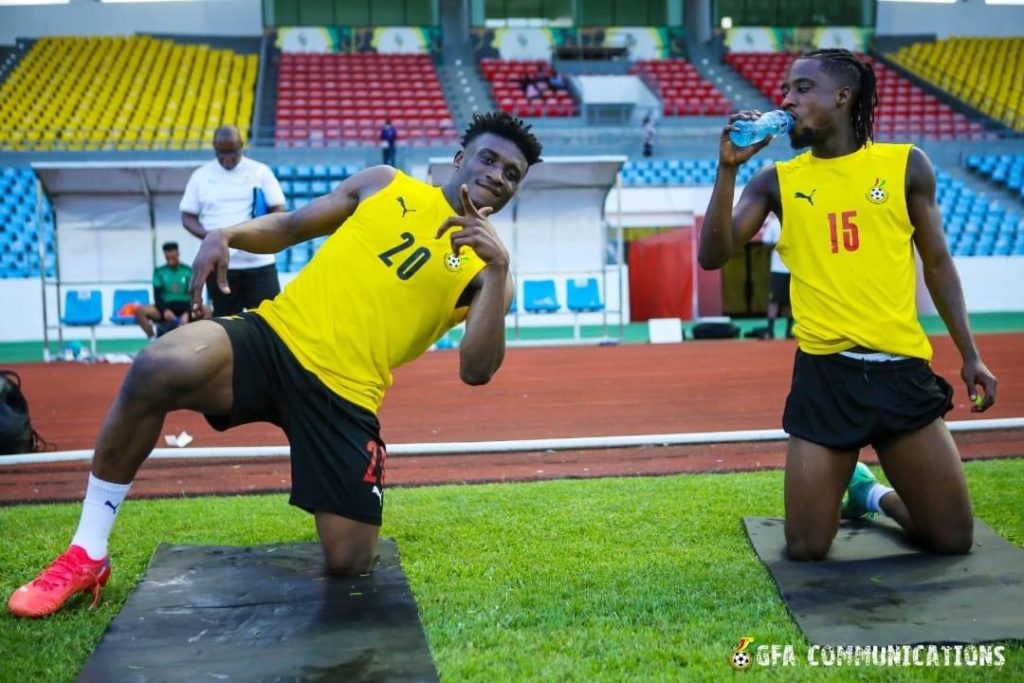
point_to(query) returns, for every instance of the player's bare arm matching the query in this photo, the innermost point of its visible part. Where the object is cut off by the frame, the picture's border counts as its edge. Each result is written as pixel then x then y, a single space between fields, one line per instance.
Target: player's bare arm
pixel 941 278
pixel 277 231
pixel 483 347
pixel 726 227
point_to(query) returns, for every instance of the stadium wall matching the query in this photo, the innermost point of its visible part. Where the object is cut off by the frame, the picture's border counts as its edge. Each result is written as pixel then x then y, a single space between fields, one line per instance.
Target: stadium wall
pixel 88 17
pixel 965 18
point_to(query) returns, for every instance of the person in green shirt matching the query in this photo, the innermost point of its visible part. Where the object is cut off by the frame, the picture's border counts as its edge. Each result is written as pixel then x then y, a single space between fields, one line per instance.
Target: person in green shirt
pixel 172 306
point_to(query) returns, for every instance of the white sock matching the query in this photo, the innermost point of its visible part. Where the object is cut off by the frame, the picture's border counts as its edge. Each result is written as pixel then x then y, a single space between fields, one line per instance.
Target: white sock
pixel 874 497
pixel 99 510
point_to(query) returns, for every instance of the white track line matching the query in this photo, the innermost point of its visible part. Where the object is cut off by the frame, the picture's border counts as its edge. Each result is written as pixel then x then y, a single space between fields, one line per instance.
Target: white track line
pixel 478 447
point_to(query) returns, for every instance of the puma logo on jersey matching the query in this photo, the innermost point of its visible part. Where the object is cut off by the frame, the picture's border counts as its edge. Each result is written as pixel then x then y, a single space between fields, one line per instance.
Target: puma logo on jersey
pixel 808 197
pixel 401 202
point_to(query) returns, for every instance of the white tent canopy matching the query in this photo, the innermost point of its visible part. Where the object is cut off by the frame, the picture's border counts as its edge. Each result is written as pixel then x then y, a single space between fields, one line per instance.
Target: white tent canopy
pixel 556 220
pixel 556 223
pixel 110 218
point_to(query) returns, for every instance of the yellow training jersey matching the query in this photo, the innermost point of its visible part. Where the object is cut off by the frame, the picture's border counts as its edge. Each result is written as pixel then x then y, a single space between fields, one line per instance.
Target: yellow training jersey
pixel 847 240
pixel 377 294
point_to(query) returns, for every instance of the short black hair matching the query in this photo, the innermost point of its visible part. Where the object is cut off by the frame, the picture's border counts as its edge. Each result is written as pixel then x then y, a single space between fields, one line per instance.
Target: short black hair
pixel 856 73
pixel 170 246
pixel 505 125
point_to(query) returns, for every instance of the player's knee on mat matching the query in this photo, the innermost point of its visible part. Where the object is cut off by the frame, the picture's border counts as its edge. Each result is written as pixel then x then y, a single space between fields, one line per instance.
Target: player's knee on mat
pixel 807 550
pixel 349 560
pixel 953 541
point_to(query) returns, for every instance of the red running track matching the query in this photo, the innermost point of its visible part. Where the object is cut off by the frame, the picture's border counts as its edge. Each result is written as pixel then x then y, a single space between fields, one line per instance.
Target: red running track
pixel 539 393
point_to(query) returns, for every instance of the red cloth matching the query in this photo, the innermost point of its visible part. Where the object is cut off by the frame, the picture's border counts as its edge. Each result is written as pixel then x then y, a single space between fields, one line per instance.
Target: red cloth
pixel 661 276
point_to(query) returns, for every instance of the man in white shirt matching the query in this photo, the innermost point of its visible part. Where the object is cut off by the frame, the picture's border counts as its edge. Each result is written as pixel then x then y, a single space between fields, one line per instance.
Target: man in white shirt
pixel 223 193
pixel 778 285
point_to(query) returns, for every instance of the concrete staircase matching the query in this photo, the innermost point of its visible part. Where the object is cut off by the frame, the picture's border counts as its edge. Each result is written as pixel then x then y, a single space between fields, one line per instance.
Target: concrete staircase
pixel 464 89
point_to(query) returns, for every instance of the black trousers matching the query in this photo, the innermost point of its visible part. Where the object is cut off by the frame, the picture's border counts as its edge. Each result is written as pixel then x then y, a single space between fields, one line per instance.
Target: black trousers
pixel 249 287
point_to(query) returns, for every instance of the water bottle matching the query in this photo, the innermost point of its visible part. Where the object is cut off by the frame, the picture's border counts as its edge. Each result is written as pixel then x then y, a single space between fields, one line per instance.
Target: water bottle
pixel 776 122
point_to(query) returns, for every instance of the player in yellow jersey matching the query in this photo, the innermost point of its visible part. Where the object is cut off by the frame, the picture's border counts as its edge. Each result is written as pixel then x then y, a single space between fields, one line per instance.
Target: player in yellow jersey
pixel 852 211
pixel 403 264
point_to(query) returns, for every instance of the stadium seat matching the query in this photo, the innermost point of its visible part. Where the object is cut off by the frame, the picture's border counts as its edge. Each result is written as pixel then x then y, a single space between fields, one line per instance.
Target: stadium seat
pixel 982 71
pixel 683 91
pixel 84 308
pixel 341 99
pixel 582 296
pixel 903 108
pixel 162 99
pixel 506 77
pixel 539 296
pixel 125 298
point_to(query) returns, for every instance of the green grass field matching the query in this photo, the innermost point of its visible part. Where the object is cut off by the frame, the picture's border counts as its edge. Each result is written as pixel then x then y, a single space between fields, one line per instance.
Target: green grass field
pixel 637 579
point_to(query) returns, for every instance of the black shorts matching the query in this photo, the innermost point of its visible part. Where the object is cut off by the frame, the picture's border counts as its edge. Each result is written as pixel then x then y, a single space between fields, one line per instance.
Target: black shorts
pixel 337 453
pixel 778 285
pixel 178 308
pixel 846 403
pixel 249 288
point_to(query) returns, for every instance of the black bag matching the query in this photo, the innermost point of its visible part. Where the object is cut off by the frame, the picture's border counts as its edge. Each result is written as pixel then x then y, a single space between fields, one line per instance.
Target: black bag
pixel 715 331
pixel 16 433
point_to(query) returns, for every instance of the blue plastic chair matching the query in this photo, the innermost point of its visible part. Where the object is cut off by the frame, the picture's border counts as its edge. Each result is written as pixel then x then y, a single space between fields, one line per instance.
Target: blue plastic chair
pixel 84 308
pixel 539 296
pixel 123 297
pixel 582 296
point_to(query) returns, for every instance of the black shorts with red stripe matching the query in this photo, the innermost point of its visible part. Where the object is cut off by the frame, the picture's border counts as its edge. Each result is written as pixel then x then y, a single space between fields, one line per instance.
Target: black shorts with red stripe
pixel 337 455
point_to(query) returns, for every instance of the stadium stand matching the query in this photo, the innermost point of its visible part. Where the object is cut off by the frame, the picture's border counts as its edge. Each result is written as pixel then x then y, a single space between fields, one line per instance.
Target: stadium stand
pixel 975 225
pixel 302 184
pixel 903 108
pixel 1003 169
pixel 19 225
pixel 506 77
pixel 344 99
pixel 683 91
pixel 61 95
pixel 987 73
pixel 683 172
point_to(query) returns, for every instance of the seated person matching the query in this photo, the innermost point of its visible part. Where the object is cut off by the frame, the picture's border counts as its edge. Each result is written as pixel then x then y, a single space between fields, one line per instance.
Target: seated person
pixel 556 81
pixel 172 306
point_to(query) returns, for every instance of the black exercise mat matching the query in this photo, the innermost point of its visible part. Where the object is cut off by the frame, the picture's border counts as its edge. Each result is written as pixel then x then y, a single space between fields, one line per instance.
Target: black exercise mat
pixel 877 589
pixel 269 613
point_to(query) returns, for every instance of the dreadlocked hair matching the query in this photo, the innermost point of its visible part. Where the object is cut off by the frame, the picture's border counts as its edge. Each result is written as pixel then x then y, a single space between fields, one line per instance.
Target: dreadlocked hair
pixel 505 125
pixel 858 74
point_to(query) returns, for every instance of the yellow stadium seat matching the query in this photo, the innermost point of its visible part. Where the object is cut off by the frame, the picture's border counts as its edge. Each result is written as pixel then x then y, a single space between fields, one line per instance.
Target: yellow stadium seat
pixel 986 73
pixel 107 92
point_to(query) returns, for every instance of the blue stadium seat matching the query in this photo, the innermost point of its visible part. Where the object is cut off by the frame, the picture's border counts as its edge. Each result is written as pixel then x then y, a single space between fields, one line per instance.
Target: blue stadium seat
pixel 539 296
pixel 124 297
pixel 84 308
pixel 582 296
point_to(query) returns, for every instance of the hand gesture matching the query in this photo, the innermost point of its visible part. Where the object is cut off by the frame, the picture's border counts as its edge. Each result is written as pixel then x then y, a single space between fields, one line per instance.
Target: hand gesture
pixel 731 155
pixel 213 256
pixel 476 232
pixel 974 373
